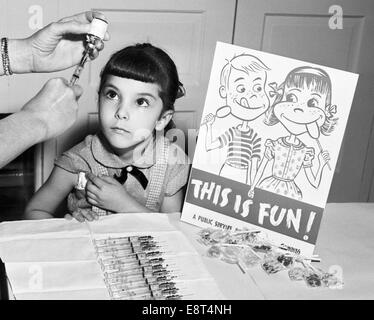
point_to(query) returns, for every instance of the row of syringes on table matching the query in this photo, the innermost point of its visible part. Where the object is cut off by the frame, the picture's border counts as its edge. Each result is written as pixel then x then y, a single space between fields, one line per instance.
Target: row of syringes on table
pixel 134 268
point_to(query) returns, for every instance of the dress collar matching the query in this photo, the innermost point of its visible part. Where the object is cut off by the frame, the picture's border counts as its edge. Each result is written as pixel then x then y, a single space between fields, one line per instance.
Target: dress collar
pixel 103 154
pixel 299 145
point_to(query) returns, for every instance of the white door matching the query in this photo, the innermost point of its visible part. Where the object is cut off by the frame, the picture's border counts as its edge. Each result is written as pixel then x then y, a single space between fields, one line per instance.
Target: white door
pixel 187 30
pixel 301 30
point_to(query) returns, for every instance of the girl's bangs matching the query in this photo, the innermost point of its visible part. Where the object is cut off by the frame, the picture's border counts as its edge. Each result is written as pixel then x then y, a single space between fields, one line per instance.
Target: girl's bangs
pixel 131 69
pixel 311 81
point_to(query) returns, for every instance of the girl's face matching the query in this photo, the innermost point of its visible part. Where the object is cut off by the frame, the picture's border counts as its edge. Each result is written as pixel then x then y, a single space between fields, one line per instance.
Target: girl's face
pixel 128 111
pixel 302 110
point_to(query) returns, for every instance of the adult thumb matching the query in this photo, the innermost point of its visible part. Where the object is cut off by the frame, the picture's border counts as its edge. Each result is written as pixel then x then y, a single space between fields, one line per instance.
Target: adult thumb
pixel 78 91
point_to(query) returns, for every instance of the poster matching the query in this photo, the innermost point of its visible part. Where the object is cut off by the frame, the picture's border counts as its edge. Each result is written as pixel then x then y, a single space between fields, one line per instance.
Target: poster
pixel 268 145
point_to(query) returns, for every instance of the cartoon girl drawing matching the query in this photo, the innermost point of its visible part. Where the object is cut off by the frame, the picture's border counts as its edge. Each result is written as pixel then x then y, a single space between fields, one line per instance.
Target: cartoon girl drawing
pixel 304 107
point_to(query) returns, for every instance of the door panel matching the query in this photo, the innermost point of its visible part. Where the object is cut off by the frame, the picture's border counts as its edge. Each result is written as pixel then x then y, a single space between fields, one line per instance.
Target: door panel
pixel 300 30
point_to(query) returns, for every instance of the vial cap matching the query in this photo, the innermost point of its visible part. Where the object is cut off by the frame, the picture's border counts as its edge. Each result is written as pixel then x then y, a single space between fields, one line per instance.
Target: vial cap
pixel 98 27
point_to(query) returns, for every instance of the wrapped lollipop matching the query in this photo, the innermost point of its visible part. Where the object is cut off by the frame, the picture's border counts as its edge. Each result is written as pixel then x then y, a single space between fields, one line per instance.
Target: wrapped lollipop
pixel 251 237
pixel 296 273
pixel 214 252
pixel 219 236
pixel 204 235
pixel 244 237
pixel 271 264
pixel 230 254
pixel 247 259
pixel 211 236
pixel 331 280
pixel 262 247
pixel 312 276
pixel 286 259
pixel 313 279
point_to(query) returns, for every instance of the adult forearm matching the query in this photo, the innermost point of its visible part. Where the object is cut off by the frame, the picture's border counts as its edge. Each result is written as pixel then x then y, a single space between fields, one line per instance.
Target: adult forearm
pixel 20 56
pixel 18 132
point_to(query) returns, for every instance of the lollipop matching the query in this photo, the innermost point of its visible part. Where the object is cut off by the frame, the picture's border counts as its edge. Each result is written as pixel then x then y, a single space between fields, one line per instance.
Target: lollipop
pixel 271 264
pixel 214 252
pixel 248 258
pixel 296 273
pixel 230 254
pixel 286 260
pixel 313 280
pixel 330 280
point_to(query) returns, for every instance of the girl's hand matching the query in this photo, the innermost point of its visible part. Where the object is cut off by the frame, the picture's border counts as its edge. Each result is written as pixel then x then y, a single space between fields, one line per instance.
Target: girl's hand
pixel 324 157
pixel 82 214
pixel 106 192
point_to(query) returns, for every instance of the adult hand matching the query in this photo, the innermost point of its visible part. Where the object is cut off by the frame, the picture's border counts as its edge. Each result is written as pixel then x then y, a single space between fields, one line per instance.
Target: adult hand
pixel 57 46
pixel 107 193
pixel 55 106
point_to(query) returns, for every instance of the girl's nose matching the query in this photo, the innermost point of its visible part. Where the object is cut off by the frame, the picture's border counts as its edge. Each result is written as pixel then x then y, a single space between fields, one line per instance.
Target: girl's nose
pixel 122 112
pixel 298 109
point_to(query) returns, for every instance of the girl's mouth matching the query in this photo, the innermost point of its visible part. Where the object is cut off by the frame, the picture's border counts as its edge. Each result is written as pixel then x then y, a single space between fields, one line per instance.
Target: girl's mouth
pixel 300 123
pixel 311 127
pixel 119 130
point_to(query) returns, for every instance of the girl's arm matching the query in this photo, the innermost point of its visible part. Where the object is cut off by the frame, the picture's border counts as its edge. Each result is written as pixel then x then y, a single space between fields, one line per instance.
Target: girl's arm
pixel 315 180
pixel 173 203
pixel 105 192
pixel 260 172
pixel 45 201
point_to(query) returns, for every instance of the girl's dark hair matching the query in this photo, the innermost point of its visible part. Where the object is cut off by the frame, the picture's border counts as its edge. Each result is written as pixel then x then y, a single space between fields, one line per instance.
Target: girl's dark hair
pixel 146 63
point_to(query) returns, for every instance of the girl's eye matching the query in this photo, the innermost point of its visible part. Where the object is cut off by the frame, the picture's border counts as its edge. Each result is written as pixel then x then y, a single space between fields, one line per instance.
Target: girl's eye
pixel 291 98
pixel 111 95
pixel 240 88
pixel 257 88
pixel 141 102
pixel 312 103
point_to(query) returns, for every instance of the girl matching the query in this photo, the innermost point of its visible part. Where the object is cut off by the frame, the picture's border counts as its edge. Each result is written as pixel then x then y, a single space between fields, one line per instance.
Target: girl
pixel 129 165
pixel 304 107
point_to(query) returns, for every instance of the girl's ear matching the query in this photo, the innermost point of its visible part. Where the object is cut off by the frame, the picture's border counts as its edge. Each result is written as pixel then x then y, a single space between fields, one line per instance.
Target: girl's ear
pixel 222 91
pixel 164 120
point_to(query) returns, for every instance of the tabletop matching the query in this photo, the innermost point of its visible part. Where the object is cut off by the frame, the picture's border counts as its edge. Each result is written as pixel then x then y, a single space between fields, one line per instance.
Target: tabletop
pixel 345 243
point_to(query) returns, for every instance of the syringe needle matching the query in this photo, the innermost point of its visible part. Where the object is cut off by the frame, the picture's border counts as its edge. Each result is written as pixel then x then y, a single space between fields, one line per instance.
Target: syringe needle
pixel 79 69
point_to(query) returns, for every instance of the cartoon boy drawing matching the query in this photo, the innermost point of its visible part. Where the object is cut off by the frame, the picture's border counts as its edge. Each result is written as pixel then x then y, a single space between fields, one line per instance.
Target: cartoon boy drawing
pixel 303 108
pixel 242 85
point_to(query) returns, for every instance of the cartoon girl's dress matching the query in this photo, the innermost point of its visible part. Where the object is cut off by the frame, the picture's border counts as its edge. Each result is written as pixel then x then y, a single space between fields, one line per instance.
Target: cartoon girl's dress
pixel 288 161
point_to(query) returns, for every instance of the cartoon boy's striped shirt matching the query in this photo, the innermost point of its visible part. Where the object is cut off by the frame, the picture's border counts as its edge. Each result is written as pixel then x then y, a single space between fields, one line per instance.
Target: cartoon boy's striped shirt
pixel 242 146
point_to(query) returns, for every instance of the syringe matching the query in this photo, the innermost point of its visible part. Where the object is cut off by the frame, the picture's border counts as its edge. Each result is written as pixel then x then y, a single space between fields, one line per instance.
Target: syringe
pixel 94 39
